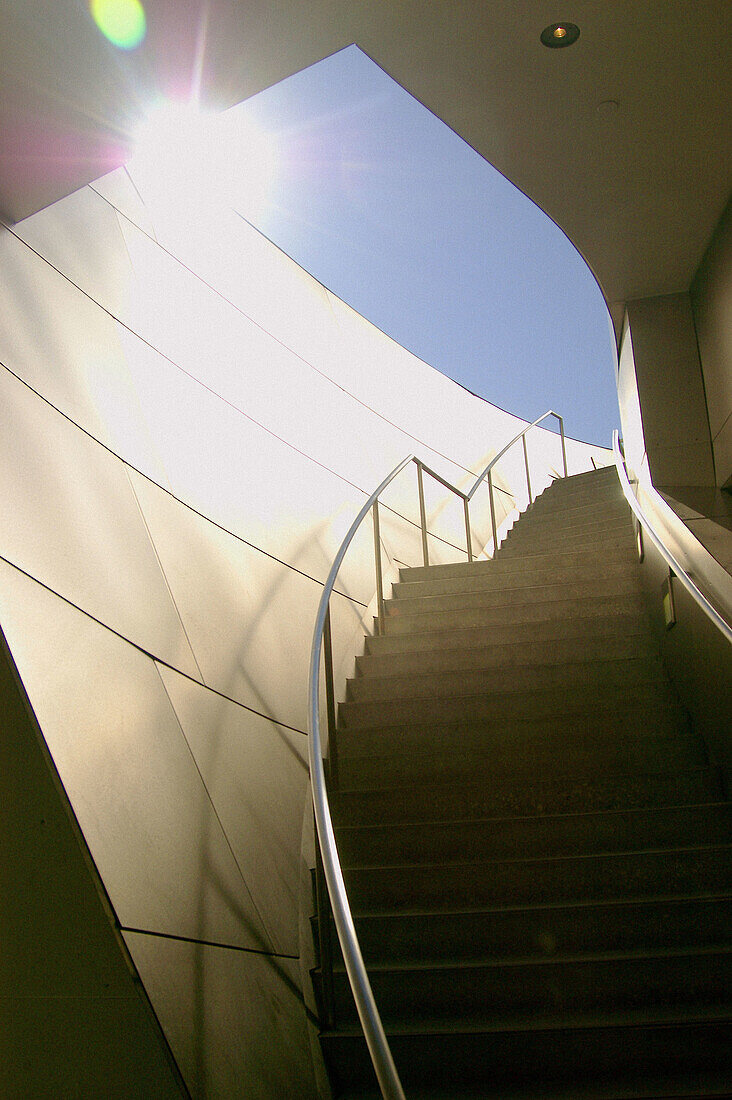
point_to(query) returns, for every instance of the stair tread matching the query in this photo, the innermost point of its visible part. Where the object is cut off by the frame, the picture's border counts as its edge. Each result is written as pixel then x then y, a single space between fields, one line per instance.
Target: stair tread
pixel 664 1015
pixel 721 950
pixel 554 780
pixel 525 860
pixel 548 906
pixel 654 811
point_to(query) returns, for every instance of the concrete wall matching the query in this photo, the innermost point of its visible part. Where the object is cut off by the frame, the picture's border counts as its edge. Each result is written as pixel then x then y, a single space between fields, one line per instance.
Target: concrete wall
pixel 711 297
pixel 670 390
pixel 188 423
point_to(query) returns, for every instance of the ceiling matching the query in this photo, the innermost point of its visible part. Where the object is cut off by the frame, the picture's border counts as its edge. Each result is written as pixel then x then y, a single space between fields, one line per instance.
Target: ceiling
pixel 624 139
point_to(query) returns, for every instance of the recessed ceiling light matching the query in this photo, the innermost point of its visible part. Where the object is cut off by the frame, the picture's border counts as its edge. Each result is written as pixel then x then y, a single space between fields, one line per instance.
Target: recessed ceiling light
pixel 558 35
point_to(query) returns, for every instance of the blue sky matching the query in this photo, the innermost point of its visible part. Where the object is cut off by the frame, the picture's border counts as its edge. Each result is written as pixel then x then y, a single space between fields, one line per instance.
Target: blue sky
pixel 398 216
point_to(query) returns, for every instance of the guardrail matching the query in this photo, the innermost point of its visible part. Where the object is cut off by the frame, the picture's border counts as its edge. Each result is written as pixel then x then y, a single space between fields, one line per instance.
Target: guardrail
pixel 329 869
pixel 671 560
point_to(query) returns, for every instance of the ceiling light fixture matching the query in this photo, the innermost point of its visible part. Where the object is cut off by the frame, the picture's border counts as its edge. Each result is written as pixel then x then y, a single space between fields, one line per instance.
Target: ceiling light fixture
pixel 558 35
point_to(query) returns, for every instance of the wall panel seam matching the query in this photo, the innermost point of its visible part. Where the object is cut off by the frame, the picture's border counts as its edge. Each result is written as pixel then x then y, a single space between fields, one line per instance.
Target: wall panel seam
pixel 219 294
pixel 147 653
pixel 214 522
pixel 208 943
pixel 216 814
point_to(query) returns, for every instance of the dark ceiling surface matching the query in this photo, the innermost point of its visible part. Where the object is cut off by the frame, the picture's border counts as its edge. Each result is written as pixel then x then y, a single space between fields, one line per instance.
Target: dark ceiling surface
pixel 624 139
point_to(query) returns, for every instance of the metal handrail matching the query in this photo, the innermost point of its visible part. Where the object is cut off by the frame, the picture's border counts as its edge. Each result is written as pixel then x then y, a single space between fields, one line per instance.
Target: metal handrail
pixel 488 472
pixel 671 560
pixel 373 1029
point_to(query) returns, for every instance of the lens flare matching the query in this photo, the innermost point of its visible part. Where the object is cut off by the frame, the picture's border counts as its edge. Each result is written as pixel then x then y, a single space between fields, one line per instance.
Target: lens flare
pixel 191 159
pixel 121 21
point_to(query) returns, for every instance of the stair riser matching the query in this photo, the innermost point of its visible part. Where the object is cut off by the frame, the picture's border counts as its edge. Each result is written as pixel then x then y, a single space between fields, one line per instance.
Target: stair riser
pixel 547 506
pixel 537 654
pixel 541 836
pixel 560 527
pixel 475 681
pixel 368 772
pixel 495 578
pixel 543 932
pixel 544 703
pixel 519 542
pixel 568 795
pixel 607 588
pixel 493 1063
pixel 594 631
pixel 502 619
pixel 568 558
pixel 491 992
pixel 534 882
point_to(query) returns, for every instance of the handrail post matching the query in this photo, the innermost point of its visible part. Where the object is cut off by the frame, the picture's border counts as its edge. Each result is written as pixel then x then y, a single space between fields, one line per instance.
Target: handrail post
pixel 325 939
pixel 493 512
pixel 526 462
pixel 422 514
pixel 468 537
pixel 379 576
pixel 330 699
pixel 561 434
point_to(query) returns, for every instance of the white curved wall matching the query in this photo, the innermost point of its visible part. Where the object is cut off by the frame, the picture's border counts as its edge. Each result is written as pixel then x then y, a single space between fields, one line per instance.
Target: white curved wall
pixel 189 423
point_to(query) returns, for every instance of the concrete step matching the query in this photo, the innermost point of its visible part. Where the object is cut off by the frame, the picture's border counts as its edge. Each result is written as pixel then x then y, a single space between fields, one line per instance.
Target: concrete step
pixel 600 877
pixel 563 743
pixel 558 524
pixel 521 540
pixel 478 840
pixel 569 558
pixel 510 573
pixel 579 675
pixel 496 618
pixel 595 482
pixel 569 492
pixel 489 991
pixel 612 1055
pixel 572 651
pixel 500 766
pixel 502 595
pixel 533 795
pixel 548 505
pixel 544 931
pixel 645 699
pixel 590 630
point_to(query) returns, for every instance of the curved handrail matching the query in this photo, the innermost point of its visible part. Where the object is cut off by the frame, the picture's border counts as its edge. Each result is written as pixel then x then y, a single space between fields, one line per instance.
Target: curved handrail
pixel 373 1029
pixel 522 435
pixel 671 560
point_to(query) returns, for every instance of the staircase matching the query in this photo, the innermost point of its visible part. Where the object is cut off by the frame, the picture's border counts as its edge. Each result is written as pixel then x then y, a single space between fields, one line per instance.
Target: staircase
pixel 535 846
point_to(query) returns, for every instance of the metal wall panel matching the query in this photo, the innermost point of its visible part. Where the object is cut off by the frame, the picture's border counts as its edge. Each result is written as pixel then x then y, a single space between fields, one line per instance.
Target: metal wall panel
pixel 119 191
pixel 130 776
pixel 235 1020
pixel 72 521
pixel 257 777
pixel 248 617
pixel 73 353
pixel 80 236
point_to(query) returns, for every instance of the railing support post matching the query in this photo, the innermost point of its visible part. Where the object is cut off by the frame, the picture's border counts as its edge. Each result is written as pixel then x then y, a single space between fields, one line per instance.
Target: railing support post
pixel 493 512
pixel 325 944
pixel 468 537
pixel 561 434
pixel 330 699
pixel 422 514
pixel 526 462
pixel 379 576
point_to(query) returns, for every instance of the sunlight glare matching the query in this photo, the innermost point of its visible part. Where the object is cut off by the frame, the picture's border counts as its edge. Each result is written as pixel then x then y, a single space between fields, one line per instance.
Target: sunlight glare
pixel 193 161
